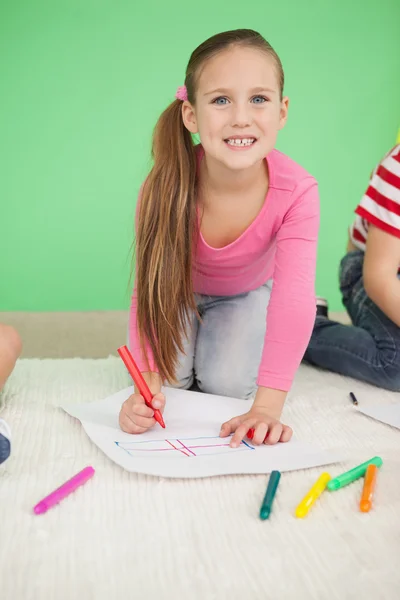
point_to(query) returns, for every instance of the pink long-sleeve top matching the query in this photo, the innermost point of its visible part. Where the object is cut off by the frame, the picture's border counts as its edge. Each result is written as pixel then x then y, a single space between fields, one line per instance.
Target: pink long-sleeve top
pixel 280 244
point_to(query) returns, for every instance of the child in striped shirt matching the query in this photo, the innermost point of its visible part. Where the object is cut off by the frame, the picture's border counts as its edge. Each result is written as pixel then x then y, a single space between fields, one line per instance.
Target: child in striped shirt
pixel 369 282
pixel 10 349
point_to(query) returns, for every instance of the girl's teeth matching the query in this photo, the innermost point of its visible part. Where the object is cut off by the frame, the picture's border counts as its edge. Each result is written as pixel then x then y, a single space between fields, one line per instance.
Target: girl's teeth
pixel 244 142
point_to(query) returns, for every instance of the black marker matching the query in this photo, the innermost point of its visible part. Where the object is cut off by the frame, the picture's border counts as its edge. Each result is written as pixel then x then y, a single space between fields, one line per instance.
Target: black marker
pixel 353 399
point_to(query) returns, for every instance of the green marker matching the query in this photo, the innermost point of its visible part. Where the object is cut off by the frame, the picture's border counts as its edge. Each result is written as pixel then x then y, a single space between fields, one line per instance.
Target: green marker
pixel 350 476
pixel 266 505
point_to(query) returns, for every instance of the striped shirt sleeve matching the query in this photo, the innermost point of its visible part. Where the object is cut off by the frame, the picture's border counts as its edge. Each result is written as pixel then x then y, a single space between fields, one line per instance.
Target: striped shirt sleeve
pixel 380 204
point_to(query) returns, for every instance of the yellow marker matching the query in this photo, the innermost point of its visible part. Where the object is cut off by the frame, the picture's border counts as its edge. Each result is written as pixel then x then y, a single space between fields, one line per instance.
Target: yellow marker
pixel 312 495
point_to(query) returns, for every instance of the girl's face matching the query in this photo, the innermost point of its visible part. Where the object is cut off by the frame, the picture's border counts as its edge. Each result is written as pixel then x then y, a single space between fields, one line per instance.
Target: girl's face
pixel 238 110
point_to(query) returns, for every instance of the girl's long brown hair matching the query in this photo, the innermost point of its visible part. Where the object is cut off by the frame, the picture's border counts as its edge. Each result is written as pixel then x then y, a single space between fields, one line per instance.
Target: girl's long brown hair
pixel 167 226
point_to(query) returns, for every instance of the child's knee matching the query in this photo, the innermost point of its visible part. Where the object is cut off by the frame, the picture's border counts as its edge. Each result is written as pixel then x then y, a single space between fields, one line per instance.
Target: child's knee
pixel 184 383
pixel 392 380
pixel 231 385
pixel 10 341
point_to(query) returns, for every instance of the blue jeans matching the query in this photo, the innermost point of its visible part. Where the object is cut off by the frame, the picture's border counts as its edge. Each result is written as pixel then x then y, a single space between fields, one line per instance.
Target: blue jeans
pixel 222 354
pixel 5 444
pixel 369 349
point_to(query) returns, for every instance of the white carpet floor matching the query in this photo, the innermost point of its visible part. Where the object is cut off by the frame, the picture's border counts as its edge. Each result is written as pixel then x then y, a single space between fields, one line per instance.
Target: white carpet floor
pixel 131 536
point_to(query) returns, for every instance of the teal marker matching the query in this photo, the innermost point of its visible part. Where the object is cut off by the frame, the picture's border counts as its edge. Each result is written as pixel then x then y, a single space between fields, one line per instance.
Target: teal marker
pixel 350 476
pixel 266 505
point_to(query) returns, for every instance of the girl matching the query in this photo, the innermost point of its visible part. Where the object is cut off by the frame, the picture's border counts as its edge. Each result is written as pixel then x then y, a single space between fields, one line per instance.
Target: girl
pixel 370 286
pixel 226 243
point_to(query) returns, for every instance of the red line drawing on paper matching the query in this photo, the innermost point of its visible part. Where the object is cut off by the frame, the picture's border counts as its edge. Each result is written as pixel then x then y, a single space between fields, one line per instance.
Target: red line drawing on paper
pixel 189 447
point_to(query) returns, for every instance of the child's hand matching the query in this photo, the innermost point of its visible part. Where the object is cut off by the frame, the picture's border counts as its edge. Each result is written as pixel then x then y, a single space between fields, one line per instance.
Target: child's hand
pixel 262 423
pixel 136 417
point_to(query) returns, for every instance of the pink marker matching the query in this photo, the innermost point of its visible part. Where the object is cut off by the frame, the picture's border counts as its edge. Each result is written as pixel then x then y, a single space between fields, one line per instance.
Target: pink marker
pixel 63 491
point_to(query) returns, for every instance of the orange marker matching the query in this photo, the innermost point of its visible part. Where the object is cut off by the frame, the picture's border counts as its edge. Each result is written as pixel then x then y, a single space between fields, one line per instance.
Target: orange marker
pixel 368 489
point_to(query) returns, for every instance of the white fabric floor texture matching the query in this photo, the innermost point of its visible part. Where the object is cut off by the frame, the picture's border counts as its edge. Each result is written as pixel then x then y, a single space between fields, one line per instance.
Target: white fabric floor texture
pixel 124 535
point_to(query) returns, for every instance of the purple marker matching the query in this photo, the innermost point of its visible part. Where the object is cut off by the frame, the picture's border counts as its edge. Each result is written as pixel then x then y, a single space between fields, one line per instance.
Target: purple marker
pixel 63 491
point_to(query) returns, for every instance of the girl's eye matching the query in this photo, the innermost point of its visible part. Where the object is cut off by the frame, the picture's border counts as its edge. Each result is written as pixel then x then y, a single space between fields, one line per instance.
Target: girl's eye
pixel 259 99
pixel 220 101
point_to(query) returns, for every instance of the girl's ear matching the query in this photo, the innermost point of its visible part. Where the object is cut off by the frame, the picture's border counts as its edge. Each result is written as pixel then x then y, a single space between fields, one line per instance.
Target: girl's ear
pixel 189 117
pixel 283 112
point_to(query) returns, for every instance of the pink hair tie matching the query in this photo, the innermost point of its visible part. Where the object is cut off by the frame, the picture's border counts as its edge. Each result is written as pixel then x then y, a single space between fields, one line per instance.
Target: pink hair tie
pixel 181 93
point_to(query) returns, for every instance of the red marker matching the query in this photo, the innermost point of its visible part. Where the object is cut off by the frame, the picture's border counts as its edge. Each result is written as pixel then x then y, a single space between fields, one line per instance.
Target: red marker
pixel 251 432
pixel 140 382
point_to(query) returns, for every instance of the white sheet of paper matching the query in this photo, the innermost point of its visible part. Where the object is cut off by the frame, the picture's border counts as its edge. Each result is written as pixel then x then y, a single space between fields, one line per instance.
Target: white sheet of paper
pixel 190 445
pixel 389 413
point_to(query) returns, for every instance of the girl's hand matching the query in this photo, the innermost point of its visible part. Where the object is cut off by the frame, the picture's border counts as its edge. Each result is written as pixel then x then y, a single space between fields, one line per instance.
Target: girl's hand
pixel 266 428
pixel 136 417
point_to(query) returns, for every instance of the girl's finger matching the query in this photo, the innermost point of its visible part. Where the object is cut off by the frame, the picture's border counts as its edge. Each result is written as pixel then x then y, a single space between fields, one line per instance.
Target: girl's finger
pixel 144 422
pixel 128 425
pixel 229 426
pixel 261 432
pixel 141 410
pixel 125 421
pixel 159 401
pixel 274 434
pixel 240 432
pixel 286 434
pixel 225 430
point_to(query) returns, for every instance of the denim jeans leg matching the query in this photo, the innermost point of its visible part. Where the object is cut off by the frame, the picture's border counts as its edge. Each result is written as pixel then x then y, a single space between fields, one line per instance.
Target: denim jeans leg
pixel 230 343
pixel 369 349
pixel 185 369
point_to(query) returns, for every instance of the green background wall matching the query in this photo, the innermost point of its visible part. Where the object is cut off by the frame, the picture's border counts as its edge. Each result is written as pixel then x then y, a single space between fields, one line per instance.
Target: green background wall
pixel 82 83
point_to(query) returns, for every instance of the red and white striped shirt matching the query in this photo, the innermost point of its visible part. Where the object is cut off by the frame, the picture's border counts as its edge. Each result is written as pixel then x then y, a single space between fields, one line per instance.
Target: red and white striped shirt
pixel 380 204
